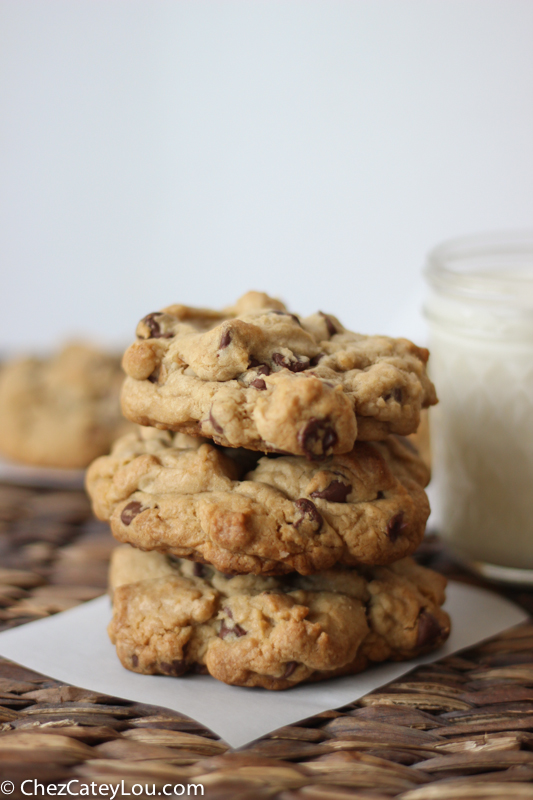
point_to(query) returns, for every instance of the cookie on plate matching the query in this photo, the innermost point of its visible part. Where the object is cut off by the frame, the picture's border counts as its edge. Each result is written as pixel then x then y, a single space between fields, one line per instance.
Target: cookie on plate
pixel 61 411
pixel 259 377
pixel 245 513
pixel 172 616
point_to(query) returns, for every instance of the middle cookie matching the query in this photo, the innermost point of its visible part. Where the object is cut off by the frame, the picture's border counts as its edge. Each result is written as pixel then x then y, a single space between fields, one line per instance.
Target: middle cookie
pixel 264 516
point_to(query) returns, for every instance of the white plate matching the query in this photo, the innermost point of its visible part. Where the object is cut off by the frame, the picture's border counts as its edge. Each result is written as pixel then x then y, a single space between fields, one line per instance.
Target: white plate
pixel 40 477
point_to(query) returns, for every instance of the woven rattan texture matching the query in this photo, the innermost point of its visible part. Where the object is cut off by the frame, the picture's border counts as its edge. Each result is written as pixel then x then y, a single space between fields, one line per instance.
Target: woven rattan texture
pixel 459 728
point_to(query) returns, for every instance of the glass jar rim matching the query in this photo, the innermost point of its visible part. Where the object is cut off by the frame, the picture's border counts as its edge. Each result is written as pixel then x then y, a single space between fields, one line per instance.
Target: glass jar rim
pixel 492 267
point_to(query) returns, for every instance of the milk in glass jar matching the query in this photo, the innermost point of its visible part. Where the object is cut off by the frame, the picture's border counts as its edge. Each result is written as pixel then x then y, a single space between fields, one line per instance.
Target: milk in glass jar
pixel 480 311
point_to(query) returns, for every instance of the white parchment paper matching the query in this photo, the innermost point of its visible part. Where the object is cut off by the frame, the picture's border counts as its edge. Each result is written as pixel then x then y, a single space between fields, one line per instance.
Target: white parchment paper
pixel 73 647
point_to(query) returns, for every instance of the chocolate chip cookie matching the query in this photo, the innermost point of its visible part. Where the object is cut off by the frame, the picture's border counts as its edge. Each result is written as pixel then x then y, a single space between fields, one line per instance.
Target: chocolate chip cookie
pixel 61 411
pixel 246 513
pixel 259 377
pixel 172 616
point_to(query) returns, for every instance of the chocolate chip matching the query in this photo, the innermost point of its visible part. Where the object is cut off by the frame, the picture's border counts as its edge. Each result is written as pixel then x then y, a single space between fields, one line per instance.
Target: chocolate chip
pixel 174 561
pixel 429 629
pixel 309 510
pixel 287 314
pixel 332 330
pixel 130 511
pixel 295 366
pixel 395 526
pixel 198 570
pixel 134 661
pixel 228 612
pixel 225 340
pixel 216 427
pixel 225 630
pixel 396 394
pixel 316 438
pixel 314 361
pixel 289 669
pixel 262 369
pixel 153 326
pixel 200 669
pixel 176 667
pixel 380 495
pixel 258 383
pixel 154 377
pixel 336 492
pixel 407 443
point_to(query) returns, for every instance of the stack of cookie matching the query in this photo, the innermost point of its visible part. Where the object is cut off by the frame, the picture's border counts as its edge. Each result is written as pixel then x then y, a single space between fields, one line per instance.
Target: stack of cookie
pixel 270 503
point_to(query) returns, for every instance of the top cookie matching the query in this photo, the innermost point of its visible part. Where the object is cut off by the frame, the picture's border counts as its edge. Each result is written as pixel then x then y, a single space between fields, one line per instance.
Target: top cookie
pixel 61 411
pixel 258 377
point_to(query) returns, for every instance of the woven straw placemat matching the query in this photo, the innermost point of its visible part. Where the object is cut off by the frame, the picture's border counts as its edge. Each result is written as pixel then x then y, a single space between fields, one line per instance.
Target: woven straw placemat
pixel 459 728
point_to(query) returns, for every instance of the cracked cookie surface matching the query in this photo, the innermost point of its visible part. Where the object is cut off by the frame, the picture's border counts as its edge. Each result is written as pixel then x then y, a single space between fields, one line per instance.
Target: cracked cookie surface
pixel 245 513
pixel 259 377
pixel 171 616
pixel 61 411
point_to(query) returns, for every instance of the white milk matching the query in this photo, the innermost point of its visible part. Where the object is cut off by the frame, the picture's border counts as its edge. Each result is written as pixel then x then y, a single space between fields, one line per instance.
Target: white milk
pixel 481 340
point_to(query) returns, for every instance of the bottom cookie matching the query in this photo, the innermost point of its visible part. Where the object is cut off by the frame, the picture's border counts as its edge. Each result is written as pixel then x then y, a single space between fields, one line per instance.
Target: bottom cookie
pixel 172 616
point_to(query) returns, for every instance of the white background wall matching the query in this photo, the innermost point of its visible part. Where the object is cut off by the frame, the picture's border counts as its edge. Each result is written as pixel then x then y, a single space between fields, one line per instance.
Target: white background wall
pixel 157 151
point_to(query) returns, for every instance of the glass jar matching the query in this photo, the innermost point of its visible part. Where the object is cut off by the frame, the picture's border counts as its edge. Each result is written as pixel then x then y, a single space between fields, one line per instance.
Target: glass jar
pixel 480 311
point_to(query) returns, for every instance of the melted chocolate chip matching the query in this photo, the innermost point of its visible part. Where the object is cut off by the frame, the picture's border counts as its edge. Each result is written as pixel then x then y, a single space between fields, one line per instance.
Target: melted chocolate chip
pixel 395 526
pixel 262 369
pixel 216 427
pixel 130 511
pixel 294 366
pixel 177 667
pixel 396 394
pixel 258 383
pixel 429 629
pixel 316 438
pixel 134 661
pixel 314 361
pixel 225 339
pixel 309 510
pixel 332 330
pixel 198 570
pixel 225 630
pixel 153 326
pixel 336 492
pixel 407 443
pixel 287 314
pixel 289 669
